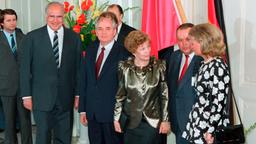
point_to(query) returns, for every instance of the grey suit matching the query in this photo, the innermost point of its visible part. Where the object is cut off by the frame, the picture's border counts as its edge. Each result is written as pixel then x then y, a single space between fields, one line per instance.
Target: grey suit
pixel 52 89
pixel 9 91
pixel 182 94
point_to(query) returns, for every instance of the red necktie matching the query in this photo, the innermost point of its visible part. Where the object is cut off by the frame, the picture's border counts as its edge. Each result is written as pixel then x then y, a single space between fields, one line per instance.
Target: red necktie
pixel 99 61
pixel 185 67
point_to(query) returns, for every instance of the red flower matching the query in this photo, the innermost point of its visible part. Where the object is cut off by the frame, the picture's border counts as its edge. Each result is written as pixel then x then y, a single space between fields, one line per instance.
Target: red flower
pixel 67 7
pixel 86 5
pixel 66 4
pixel 93 32
pixel 71 8
pixel 81 19
pixel 77 28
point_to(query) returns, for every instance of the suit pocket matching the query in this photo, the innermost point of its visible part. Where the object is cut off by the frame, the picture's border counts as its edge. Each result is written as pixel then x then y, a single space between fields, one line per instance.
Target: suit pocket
pixel 3 82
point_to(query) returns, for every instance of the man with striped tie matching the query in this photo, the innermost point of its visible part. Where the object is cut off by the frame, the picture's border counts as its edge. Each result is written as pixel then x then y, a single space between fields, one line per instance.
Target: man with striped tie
pixel 49 76
pixel 10 38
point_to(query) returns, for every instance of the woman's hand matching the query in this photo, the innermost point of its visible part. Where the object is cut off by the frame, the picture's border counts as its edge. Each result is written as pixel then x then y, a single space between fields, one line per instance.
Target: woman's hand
pixel 208 138
pixel 117 127
pixel 164 127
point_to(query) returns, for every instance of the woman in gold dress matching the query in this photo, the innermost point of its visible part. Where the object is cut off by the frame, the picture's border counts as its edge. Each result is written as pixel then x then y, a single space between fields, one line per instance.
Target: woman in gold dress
pixel 142 97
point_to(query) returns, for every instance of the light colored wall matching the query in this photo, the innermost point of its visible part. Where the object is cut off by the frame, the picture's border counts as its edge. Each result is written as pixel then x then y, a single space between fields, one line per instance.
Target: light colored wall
pixel 240 21
pixel 241 30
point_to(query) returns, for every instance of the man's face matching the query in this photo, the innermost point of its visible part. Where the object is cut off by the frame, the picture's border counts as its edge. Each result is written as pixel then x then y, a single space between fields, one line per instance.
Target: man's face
pixel 105 31
pixel 55 16
pixel 10 23
pixel 119 16
pixel 183 41
pixel 195 46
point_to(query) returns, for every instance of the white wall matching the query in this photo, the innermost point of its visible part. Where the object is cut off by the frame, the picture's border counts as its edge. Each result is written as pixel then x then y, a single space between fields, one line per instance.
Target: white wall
pixel 240 21
pixel 241 33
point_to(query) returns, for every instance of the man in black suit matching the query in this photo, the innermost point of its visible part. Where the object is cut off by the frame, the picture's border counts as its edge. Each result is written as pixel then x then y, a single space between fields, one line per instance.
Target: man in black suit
pixel 99 82
pixel 183 65
pixel 10 39
pixel 122 29
pixel 49 76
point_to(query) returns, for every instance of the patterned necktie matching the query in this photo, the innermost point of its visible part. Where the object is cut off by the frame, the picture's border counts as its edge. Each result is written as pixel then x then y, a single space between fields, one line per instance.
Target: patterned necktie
pixel 99 62
pixel 13 46
pixel 185 67
pixel 56 47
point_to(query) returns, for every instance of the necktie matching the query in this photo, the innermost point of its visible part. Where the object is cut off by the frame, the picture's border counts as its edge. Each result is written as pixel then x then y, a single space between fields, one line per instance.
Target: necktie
pixel 56 48
pixel 99 61
pixel 184 68
pixel 13 46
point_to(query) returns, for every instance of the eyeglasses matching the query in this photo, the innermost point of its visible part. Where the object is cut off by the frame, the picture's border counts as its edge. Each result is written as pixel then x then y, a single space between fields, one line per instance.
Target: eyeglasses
pixel 52 17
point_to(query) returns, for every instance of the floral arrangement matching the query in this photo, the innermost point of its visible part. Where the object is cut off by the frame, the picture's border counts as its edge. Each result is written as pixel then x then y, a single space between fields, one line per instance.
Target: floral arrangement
pixel 81 16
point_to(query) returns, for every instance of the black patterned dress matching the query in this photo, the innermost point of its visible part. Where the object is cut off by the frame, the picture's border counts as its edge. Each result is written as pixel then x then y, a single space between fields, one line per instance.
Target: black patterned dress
pixel 212 86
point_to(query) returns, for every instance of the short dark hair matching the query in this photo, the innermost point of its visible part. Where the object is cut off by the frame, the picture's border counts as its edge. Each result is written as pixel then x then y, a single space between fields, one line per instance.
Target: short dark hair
pixel 118 7
pixel 185 26
pixel 6 12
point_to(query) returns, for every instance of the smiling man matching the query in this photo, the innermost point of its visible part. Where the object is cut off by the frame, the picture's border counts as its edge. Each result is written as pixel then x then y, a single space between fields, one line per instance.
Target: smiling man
pixel 49 76
pixel 99 82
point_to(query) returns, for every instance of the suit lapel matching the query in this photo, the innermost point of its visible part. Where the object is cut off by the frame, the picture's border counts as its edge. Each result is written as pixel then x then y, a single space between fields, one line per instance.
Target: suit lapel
pixel 93 57
pixel 110 59
pixel 186 78
pixel 19 36
pixel 4 40
pixel 177 67
pixel 6 47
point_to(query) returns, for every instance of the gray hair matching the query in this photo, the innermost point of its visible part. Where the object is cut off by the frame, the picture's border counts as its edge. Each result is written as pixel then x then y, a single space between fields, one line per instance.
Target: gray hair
pixel 53 3
pixel 109 15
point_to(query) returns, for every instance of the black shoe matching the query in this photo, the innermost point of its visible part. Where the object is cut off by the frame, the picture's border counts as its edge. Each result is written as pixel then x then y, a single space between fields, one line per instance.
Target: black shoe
pixel 1 130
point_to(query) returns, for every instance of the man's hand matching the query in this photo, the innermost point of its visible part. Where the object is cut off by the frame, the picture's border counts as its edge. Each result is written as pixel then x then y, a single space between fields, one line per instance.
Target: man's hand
pixel 164 127
pixel 83 119
pixel 117 126
pixel 76 102
pixel 208 138
pixel 27 103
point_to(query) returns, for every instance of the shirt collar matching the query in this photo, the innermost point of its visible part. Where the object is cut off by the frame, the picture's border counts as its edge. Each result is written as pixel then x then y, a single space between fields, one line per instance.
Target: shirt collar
pixel 7 34
pixel 108 46
pixel 60 30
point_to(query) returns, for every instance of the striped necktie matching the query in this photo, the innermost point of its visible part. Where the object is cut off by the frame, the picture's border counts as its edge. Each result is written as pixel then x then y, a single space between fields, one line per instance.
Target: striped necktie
pixel 184 68
pixel 56 47
pixel 99 62
pixel 13 46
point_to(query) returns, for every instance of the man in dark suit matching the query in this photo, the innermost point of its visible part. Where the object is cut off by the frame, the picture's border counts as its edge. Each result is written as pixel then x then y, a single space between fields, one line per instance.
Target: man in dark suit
pixel 122 29
pixel 49 76
pixel 183 64
pixel 99 82
pixel 10 39
pixel 1 107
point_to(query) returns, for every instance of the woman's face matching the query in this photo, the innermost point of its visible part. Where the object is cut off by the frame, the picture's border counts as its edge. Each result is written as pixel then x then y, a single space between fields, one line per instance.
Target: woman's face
pixel 142 53
pixel 195 46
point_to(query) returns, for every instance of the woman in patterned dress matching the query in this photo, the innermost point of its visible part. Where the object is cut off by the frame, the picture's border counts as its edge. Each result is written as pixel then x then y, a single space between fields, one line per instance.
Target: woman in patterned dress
pixel 211 84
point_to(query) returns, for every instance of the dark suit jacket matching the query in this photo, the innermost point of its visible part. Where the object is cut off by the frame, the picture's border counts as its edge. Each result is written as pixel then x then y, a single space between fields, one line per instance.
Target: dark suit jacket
pixel 182 94
pixel 40 77
pixel 97 97
pixel 124 31
pixel 165 54
pixel 9 71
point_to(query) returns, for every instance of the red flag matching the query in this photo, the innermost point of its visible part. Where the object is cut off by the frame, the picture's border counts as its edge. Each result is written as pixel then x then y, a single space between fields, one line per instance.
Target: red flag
pixel 160 20
pixel 212 14
pixel 215 16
